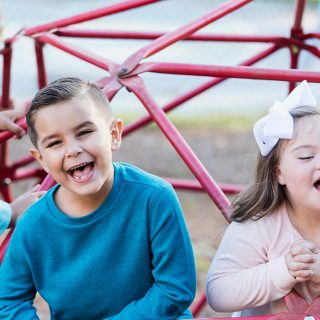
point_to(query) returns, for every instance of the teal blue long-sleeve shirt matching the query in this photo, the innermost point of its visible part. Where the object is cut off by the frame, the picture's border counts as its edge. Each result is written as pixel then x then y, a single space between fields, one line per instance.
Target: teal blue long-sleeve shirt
pixel 129 259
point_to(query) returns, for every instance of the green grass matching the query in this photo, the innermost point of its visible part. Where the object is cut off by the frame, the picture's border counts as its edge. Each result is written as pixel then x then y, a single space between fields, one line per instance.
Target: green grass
pixel 232 122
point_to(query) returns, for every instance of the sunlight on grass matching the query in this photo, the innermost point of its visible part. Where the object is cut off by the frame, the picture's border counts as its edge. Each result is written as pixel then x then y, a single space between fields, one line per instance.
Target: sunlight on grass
pixel 230 122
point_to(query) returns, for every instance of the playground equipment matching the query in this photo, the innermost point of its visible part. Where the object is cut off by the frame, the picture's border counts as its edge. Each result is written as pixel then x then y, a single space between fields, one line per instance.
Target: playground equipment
pixel 127 75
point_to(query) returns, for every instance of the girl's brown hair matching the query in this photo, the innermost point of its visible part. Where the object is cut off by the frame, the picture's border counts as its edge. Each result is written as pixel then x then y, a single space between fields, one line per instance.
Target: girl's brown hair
pixel 266 195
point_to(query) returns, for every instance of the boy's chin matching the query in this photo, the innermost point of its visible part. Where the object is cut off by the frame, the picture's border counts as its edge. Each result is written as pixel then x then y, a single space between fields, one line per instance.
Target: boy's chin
pixel 88 190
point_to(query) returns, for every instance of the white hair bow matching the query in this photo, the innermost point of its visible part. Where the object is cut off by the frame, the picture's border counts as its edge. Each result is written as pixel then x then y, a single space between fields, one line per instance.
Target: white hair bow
pixel 278 124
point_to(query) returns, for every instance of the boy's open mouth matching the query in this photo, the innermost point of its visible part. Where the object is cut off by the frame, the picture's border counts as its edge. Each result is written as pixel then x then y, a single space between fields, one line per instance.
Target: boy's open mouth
pixel 82 171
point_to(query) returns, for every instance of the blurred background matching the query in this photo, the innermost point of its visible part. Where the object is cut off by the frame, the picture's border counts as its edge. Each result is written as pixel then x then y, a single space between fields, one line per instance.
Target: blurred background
pixel 260 17
pixel 216 124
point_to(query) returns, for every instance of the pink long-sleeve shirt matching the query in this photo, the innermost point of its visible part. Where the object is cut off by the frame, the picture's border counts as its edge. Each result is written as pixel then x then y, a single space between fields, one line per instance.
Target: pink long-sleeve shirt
pixel 249 273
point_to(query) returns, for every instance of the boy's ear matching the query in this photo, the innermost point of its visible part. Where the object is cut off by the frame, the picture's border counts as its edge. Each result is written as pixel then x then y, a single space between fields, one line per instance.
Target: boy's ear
pixel 37 155
pixel 116 133
pixel 279 176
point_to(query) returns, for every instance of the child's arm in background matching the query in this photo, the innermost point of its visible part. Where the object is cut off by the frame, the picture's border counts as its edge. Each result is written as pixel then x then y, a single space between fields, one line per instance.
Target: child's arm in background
pixel 20 204
pixel 7 122
pixel 10 212
pixel 240 276
pixel 173 264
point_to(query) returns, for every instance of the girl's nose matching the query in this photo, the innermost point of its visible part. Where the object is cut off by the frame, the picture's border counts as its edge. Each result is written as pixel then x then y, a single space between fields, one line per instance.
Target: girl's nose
pixel 317 164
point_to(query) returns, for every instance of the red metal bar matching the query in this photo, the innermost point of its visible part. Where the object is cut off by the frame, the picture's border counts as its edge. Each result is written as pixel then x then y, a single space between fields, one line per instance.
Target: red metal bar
pixel 94 14
pixel 13 39
pixel 6 103
pixel 10 171
pixel 4 159
pixel 4 245
pixel 6 76
pixel 29 173
pixel 277 316
pixel 23 162
pixel 135 84
pixel 297 27
pixel 110 86
pixel 82 54
pixel 302 45
pixel 181 33
pixel 197 306
pixel 9 174
pixel 6 191
pixel 187 96
pixel 4 185
pixel 296 32
pixel 230 72
pixel 191 185
pixel 42 74
pixel 313 50
pixel 294 58
pixel 111 34
pixel 311 36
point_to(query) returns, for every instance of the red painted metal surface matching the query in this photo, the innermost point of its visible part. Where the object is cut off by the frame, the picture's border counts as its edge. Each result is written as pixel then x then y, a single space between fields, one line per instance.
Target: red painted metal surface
pixel 42 74
pixel 94 14
pixel 127 75
pixel 102 34
pixel 226 71
pixel 179 34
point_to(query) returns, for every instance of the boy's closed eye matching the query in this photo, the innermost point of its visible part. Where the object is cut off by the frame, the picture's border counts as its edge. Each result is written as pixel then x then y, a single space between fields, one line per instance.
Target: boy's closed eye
pixel 84 132
pixel 53 143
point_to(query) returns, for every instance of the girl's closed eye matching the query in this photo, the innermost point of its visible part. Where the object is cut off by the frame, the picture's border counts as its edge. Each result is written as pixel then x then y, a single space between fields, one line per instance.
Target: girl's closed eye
pixel 306 157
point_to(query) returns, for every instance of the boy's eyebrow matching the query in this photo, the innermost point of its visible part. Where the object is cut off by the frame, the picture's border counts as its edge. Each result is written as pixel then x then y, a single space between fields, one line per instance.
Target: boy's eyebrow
pixel 51 136
pixel 83 124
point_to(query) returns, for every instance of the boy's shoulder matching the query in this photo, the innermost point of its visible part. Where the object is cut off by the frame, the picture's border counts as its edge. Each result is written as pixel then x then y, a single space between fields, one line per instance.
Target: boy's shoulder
pixel 134 175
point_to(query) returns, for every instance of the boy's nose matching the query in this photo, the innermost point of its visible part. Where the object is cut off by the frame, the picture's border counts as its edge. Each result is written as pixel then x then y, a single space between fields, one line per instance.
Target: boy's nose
pixel 73 150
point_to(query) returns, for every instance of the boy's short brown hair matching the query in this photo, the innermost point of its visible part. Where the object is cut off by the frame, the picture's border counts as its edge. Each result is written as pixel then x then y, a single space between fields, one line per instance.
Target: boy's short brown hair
pixel 62 90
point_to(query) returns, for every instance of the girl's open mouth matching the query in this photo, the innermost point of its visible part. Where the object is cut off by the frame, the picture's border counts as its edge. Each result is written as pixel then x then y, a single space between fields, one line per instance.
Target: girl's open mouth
pixel 317 185
pixel 82 171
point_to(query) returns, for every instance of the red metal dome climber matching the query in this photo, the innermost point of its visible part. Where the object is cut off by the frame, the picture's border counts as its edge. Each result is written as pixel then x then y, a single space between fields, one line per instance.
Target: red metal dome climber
pixel 127 75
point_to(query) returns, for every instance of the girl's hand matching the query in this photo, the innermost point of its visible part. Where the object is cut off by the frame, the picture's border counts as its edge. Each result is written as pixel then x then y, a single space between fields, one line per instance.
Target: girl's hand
pixel 316 268
pixel 301 261
pixel 21 203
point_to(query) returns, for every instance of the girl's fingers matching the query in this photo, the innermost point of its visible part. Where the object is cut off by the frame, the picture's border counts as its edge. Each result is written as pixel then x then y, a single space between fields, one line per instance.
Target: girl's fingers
pixel 304 247
pixel 303 275
pixel 298 266
pixel 304 258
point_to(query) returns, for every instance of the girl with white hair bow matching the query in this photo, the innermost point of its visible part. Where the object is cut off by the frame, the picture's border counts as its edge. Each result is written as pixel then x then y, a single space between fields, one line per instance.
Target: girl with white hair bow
pixel 269 260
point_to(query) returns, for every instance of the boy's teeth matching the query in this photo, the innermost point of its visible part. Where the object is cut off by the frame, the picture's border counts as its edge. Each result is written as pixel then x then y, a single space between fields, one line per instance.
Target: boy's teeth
pixel 79 166
pixel 81 171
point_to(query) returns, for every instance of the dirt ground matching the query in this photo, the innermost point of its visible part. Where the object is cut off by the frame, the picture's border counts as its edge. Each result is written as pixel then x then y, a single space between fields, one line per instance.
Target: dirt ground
pixel 229 157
